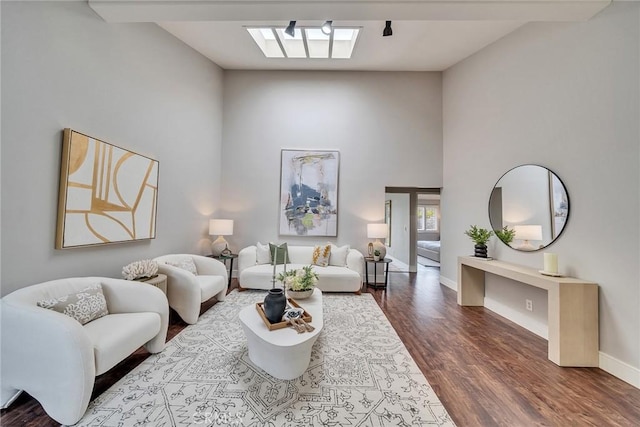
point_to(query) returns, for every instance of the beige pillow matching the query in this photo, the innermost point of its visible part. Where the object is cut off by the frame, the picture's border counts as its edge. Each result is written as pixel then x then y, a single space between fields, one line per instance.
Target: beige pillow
pixel 263 256
pixel 84 306
pixel 321 255
pixel 185 264
pixel 338 256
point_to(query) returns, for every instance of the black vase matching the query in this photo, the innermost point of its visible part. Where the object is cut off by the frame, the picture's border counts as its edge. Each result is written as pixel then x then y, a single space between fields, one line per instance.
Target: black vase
pixel 481 251
pixel 274 305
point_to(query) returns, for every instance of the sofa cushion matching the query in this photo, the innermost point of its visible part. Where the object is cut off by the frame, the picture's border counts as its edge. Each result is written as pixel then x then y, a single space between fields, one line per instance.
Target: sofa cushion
pixel 338 256
pixel 84 306
pixel 281 255
pixel 263 255
pixel 185 263
pixel 321 255
pixel 116 336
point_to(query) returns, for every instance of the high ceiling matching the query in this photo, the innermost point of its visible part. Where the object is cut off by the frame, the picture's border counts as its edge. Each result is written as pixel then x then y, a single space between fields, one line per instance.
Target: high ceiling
pixel 428 35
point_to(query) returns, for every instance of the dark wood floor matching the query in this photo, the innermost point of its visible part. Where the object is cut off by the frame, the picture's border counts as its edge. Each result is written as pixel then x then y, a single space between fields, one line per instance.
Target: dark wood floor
pixel 486 370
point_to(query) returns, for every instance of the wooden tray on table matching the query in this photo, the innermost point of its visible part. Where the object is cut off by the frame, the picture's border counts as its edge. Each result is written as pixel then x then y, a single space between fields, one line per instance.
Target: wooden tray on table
pixel 280 325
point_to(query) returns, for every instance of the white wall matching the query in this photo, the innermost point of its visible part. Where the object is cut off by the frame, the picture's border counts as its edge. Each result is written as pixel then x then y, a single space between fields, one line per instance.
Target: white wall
pixel 387 127
pixel 399 248
pixel 565 96
pixel 133 85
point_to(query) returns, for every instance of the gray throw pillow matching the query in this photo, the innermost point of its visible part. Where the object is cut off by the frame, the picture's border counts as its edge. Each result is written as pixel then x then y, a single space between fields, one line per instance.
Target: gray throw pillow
pixel 84 306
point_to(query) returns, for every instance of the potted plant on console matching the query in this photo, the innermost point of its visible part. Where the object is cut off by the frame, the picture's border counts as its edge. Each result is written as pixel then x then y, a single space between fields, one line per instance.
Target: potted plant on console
pixel 480 237
pixel 299 283
pixel 376 255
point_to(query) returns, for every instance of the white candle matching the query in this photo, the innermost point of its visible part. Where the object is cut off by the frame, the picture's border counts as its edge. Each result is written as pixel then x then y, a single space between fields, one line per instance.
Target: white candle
pixel 551 263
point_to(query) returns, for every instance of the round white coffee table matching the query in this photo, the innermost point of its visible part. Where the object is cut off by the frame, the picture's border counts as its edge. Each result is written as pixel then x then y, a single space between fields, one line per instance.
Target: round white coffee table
pixel 283 353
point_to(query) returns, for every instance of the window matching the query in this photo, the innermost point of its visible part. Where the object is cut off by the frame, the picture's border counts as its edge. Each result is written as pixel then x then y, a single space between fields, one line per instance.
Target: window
pixel 307 42
pixel 427 218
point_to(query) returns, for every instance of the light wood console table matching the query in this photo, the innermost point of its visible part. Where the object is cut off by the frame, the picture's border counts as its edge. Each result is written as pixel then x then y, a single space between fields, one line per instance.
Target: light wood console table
pixel 573 306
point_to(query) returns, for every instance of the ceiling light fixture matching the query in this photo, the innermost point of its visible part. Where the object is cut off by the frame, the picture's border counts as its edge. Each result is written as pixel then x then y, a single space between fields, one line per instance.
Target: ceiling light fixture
pixel 326 27
pixel 291 29
pixel 387 30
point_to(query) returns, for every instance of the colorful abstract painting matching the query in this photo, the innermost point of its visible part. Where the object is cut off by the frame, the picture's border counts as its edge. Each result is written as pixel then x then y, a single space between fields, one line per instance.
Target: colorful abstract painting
pixel 309 193
pixel 107 194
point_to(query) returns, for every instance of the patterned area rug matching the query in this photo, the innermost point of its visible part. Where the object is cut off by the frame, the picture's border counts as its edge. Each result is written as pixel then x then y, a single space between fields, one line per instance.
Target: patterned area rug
pixel 360 375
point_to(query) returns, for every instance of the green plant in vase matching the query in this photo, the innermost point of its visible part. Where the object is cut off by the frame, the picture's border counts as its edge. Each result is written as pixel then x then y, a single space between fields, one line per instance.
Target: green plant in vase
pixel 376 255
pixel 506 235
pixel 480 237
pixel 299 283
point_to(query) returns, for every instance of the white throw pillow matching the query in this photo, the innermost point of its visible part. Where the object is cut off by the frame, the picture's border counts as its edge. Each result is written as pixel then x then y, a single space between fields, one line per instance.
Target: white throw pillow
pixel 263 255
pixel 84 306
pixel 338 256
pixel 185 264
pixel 321 255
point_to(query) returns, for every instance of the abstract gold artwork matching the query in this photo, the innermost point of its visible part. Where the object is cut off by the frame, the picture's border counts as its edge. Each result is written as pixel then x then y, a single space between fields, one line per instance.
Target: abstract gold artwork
pixel 107 194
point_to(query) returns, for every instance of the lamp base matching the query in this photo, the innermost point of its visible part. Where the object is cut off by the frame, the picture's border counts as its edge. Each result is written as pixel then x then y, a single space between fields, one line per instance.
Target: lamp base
pixel 218 246
pixel 379 246
pixel 526 246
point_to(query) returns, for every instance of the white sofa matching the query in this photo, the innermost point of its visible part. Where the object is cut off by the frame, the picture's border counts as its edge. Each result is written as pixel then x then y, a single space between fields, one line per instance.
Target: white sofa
pixel 186 291
pixel 333 278
pixel 55 358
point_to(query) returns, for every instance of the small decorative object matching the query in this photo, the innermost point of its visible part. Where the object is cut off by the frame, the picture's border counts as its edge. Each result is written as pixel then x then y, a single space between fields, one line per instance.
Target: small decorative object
pixel 274 305
pixel 221 227
pixel 144 269
pixel 378 231
pixel 370 249
pixel 480 237
pixel 376 255
pixel 299 283
pixel 292 313
pixel 505 235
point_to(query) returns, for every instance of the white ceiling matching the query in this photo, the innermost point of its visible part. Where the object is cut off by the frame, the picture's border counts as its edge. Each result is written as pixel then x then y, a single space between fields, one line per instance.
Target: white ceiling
pixel 428 35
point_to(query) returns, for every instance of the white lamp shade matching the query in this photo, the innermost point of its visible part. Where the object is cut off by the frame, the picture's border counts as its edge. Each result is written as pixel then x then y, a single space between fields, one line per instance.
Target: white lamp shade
pixel 377 231
pixel 221 227
pixel 528 232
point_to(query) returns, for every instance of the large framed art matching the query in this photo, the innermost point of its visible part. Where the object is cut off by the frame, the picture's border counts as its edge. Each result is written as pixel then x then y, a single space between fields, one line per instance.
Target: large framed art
pixel 309 193
pixel 107 194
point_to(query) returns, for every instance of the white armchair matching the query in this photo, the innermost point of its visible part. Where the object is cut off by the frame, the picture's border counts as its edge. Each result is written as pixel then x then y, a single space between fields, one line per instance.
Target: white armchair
pixel 55 358
pixel 187 291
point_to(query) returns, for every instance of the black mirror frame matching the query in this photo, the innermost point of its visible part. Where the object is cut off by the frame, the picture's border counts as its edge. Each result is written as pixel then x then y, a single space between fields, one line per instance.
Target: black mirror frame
pixel 566 218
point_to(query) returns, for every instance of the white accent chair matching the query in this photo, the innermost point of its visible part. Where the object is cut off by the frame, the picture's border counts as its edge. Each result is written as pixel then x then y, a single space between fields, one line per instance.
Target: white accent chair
pixel 55 359
pixel 186 292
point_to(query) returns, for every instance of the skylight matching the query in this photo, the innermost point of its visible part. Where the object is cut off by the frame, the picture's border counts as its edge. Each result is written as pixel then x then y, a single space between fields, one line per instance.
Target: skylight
pixel 307 42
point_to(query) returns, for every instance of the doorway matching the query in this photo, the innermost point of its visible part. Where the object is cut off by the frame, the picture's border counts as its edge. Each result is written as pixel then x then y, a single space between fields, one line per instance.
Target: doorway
pixel 404 218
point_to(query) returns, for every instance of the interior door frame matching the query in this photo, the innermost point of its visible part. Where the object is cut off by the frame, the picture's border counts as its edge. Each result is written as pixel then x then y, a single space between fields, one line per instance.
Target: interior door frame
pixel 413 208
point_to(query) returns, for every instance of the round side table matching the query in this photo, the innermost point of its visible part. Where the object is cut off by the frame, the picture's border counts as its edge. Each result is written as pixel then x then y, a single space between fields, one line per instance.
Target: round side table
pixel 160 281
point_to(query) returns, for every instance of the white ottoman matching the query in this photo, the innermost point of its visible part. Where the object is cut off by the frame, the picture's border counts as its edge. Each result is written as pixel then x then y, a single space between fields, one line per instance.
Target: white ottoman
pixel 283 353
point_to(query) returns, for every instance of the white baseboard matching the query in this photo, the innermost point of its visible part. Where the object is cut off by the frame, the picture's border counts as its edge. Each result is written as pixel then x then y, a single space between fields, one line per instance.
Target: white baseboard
pixel 613 366
pixel 620 369
pixel 452 284
pixel 538 328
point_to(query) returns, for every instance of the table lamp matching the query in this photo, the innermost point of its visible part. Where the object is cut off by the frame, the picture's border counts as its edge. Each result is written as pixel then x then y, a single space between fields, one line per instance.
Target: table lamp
pixel 526 233
pixel 378 231
pixel 220 227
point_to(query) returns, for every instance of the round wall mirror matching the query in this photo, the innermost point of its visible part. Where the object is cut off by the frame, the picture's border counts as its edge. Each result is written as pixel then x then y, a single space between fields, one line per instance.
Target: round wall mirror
pixel 528 208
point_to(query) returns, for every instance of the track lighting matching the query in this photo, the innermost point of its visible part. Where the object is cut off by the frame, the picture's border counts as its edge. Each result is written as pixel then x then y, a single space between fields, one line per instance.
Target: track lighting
pixel 326 27
pixel 291 29
pixel 387 30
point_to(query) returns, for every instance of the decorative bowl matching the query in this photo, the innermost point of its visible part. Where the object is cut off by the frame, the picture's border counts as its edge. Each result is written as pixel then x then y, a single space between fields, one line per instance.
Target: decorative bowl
pixel 299 294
